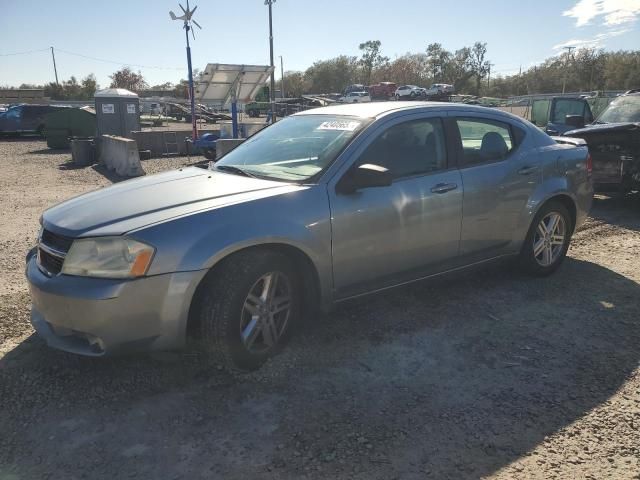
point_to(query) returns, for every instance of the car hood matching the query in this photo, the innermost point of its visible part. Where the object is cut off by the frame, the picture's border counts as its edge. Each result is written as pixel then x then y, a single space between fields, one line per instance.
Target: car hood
pixel 137 203
pixel 604 127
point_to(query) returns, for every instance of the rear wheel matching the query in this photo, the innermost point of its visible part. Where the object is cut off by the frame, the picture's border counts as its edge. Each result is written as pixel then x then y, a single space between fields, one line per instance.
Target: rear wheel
pixel 248 308
pixel 548 240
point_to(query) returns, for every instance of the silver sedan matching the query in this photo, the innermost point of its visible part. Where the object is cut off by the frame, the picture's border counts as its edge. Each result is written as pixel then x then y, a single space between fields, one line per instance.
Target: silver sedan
pixel 323 206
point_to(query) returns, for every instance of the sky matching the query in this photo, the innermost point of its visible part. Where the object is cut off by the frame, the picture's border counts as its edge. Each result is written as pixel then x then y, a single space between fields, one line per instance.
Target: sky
pixel 101 37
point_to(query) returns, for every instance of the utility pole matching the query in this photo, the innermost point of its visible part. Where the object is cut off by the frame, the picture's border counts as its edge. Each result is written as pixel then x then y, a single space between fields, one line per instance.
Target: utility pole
pixel 436 67
pixel 55 69
pixel 566 65
pixel 282 77
pixel 489 74
pixel 272 90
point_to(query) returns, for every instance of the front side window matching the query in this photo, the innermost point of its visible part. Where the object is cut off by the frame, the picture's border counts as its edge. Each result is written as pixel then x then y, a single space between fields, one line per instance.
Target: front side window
pixel 409 148
pixel 14 113
pixel 484 140
pixel 293 149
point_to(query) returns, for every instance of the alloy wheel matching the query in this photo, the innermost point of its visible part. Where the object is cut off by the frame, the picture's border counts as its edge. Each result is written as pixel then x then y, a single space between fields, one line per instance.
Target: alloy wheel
pixel 265 312
pixel 549 239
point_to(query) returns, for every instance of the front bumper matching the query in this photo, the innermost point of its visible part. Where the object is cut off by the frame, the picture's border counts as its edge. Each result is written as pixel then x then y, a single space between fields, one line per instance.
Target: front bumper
pixel 96 317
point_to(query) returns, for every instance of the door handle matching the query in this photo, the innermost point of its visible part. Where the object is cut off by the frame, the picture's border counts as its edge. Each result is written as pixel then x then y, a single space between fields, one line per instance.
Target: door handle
pixel 527 170
pixel 444 187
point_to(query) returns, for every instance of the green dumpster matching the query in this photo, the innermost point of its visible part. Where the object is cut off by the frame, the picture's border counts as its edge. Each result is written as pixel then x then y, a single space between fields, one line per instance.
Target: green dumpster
pixel 67 123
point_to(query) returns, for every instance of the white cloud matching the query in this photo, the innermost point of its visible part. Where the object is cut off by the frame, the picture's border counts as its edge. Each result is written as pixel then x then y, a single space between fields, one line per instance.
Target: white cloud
pixel 594 42
pixel 614 12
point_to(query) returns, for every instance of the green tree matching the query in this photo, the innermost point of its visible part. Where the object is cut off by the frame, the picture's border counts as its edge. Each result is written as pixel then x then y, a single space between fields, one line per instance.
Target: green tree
pixel 89 85
pixel 478 64
pixel 371 58
pixel 438 58
pixel 126 78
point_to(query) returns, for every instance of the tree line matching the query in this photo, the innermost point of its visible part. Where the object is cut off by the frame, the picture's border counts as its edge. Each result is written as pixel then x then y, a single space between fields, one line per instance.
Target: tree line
pixel 468 69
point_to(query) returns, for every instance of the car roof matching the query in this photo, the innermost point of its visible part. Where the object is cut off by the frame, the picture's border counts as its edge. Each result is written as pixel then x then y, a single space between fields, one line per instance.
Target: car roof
pixel 379 109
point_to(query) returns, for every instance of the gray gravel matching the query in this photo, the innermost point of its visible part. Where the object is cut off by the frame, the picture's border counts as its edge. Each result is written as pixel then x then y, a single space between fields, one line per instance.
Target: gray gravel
pixel 488 375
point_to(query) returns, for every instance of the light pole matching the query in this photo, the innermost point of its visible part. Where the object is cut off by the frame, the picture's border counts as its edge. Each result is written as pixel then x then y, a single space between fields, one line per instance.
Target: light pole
pixel 272 90
pixel 282 77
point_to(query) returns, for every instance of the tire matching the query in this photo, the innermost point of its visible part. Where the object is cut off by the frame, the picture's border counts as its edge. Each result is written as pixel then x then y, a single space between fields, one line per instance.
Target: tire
pixel 550 255
pixel 224 309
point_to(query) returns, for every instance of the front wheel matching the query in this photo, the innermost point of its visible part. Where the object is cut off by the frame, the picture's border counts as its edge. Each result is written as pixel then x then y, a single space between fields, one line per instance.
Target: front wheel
pixel 547 241
pixel 248 308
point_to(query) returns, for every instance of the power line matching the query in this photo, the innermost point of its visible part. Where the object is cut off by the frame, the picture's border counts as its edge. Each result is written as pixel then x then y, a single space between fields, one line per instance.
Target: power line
pixel 118 62
pixel 24 53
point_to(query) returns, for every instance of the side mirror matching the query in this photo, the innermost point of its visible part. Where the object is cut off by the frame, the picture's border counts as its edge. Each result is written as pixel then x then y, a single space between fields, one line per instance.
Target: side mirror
pixel 364 176
pixel 576 121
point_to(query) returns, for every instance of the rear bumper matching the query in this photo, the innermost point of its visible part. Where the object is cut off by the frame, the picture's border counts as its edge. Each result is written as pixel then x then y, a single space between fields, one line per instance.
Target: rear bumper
pixel 97 317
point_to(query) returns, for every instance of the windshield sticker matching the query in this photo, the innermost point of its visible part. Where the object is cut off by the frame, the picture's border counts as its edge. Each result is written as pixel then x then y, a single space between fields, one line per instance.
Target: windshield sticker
pixel 345 126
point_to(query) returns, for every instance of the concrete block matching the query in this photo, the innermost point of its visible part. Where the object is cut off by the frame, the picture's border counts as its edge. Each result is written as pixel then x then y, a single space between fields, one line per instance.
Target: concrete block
pixel 225 145
pixel 121 155
pixel 160 142
pixel 82 152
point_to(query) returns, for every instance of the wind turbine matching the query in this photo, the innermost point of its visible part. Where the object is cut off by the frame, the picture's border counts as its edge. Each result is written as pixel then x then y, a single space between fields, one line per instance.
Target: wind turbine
pixel 187 18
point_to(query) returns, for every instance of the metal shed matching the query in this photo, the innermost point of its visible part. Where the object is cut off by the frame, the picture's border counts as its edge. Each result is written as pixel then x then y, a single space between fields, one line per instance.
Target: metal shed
pixel 67 123
pixel 117 112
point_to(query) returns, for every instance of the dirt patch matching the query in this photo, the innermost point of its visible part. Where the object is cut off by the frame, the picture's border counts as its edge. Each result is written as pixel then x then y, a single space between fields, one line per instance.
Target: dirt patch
pixel 489 375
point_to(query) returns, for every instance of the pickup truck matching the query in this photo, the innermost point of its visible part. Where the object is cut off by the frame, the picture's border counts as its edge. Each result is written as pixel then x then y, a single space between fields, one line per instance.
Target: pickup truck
pixel 355 97
pixel 382 90
pixel 614 144
pixel 558 115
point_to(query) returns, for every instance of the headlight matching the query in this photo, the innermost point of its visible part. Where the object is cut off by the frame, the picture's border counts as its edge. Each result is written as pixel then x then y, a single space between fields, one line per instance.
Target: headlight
pixel 108 257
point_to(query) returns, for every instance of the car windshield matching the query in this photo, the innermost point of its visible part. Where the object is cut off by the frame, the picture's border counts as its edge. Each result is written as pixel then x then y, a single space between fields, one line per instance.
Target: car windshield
pixel 293 149
pixel 622 109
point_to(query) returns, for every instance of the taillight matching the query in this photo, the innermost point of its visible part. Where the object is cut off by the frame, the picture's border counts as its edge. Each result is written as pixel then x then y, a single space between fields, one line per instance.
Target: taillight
pixel 589 164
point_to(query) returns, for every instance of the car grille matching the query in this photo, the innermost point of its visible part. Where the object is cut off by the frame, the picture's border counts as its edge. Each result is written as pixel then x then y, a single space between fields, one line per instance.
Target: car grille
pixel 52 249
pixel 59 242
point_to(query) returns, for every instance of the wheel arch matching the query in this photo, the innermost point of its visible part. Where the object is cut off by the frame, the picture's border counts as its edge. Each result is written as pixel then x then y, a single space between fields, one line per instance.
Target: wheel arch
pixel 312 289
pixel 566 200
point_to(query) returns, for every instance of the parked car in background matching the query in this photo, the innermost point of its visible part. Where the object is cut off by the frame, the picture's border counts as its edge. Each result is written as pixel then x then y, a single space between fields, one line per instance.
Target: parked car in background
pixel 342 201
pixel 614 143
pixel 355 97
pixel 382 90
pixel 440 89
pixel 558 115
pixel 356 87
pixel 404 92
pixel 25 118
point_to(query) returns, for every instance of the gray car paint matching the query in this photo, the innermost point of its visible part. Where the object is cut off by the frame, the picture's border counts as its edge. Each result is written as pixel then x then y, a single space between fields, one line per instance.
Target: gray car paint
pixel 372 239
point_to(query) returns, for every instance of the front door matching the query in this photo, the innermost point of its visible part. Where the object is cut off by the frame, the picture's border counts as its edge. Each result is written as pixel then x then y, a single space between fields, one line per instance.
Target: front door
pixel 386 235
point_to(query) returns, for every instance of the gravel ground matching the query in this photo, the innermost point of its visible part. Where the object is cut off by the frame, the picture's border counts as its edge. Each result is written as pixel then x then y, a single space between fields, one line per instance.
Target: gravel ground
pixel 489 375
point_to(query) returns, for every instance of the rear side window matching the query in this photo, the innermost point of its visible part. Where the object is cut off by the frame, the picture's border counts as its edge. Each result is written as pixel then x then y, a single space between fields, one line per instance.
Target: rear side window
pixel 484 140
pixel 564 107
pixel 409 148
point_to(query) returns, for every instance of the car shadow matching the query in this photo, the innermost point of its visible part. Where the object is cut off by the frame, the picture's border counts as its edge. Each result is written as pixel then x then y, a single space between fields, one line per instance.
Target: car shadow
pixel 622 210
pixel 445 379
pixel 50 151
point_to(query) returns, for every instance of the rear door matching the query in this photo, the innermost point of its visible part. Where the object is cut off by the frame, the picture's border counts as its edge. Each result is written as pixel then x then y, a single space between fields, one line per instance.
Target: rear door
pixel 385 235
pixel 498 179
